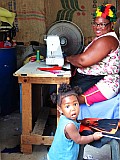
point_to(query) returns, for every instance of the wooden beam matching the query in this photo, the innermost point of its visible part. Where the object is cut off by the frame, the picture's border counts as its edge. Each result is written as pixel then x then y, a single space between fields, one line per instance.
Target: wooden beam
pixel 36 139
pixel 26 148
pixel 41 121
pixel 44 80
pixel 26 108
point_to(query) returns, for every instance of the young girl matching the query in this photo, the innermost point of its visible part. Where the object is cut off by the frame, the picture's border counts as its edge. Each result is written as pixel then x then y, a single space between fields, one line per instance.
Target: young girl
pixel 67 138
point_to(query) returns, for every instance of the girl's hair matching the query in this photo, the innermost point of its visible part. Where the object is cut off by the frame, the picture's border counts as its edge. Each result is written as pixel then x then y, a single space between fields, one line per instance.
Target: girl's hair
pixel 107 11
pixel 63 91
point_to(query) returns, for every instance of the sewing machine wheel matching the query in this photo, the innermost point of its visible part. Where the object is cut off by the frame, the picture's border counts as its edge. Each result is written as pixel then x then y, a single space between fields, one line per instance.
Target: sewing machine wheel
pixel 71 36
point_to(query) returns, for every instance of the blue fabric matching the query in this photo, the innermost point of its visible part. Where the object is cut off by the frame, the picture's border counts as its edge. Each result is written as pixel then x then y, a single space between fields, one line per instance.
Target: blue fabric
pixel 106 109
pixel 63 148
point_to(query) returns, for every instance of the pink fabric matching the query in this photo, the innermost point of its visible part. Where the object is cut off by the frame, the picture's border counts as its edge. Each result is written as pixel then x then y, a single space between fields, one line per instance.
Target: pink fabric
pixel 93 95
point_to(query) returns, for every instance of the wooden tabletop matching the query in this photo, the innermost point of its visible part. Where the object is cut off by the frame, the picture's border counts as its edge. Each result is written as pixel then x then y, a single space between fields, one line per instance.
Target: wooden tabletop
pixel 32 69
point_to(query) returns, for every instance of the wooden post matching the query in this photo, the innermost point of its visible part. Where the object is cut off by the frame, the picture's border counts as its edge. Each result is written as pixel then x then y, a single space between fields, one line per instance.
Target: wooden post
pixel 26 114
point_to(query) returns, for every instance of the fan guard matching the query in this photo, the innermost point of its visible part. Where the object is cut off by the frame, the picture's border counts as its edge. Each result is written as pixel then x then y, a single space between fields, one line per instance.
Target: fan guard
pixel 71 36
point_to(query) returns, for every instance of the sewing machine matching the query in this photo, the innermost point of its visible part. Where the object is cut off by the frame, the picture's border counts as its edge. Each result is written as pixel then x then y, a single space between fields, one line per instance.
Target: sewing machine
pixel 54 51
pixel 63 34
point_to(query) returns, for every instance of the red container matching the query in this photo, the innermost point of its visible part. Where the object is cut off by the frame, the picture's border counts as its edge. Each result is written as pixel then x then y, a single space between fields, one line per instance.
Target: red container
pixel 1 44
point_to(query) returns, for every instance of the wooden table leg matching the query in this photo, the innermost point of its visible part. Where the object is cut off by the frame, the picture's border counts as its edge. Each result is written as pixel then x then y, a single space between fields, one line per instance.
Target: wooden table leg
pixel 26 116
pixel 58 114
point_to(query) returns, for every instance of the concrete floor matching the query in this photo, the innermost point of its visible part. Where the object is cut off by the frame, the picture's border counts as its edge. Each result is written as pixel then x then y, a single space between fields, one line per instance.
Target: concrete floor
pixel 10 131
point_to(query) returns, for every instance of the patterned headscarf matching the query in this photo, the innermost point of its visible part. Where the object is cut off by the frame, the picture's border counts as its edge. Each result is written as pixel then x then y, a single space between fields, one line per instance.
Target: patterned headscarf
pixel 107 11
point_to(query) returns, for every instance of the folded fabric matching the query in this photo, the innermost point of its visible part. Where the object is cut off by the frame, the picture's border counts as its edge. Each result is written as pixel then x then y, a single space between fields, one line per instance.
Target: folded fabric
pixel 107 109
pixel 7 16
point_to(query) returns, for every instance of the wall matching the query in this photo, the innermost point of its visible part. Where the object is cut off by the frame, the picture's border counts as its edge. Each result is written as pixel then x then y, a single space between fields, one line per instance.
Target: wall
pixel 78 11
pixel 33 18
pixel 30 18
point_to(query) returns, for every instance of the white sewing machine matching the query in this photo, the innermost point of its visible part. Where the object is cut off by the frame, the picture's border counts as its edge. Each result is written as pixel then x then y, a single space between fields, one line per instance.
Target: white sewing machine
pixel 54 51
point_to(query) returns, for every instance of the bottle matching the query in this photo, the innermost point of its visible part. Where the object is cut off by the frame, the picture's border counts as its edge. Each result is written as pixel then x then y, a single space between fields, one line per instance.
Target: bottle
pixel 38 56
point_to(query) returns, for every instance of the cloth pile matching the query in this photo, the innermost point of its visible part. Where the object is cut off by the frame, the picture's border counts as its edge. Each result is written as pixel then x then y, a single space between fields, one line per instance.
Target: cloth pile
pixel 7 16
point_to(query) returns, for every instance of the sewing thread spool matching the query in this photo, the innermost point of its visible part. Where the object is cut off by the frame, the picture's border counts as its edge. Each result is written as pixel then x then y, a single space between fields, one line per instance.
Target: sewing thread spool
pixel 38 56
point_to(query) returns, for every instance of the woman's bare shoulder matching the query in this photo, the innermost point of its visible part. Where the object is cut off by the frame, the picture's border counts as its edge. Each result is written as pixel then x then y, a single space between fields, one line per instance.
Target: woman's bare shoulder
pixel 108 41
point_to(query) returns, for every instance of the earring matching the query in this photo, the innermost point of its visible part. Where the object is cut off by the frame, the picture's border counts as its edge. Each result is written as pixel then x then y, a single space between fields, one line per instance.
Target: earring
pixel 112 28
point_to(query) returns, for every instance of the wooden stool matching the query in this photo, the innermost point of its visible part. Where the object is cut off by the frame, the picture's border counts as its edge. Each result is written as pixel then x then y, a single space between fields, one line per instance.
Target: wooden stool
pixel 114 147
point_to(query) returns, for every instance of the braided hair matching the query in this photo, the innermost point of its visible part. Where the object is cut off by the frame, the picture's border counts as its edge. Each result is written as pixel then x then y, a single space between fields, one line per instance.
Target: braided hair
pixel 63 91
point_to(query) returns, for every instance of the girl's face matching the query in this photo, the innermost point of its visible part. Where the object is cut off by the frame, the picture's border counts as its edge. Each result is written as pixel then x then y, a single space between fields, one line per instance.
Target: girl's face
pixel 101 26
pixel 70 107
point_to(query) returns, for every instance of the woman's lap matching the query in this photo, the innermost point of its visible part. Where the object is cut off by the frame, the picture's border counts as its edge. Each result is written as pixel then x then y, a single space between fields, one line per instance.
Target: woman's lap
pixel 106 109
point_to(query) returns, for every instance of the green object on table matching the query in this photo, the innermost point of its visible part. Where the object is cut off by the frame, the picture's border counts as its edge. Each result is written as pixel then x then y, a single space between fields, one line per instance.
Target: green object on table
pixel 38 56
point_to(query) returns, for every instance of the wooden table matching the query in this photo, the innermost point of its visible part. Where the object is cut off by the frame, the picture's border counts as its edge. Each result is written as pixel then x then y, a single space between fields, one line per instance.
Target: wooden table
pixel 27 75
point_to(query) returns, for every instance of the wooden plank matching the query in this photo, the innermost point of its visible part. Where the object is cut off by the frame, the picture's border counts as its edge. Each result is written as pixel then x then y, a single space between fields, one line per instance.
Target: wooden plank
pixel 26 108
pixel 41 121
pixel 36 139
pixel 26 148
pixel 58 113
pixel 31 70
pixel 44 80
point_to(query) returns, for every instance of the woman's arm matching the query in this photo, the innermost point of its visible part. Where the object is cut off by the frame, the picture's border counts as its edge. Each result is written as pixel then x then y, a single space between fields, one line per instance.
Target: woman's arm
pixel 95 53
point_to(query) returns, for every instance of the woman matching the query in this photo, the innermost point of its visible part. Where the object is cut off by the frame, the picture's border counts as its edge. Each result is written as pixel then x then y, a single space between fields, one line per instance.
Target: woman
pixel 97 70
